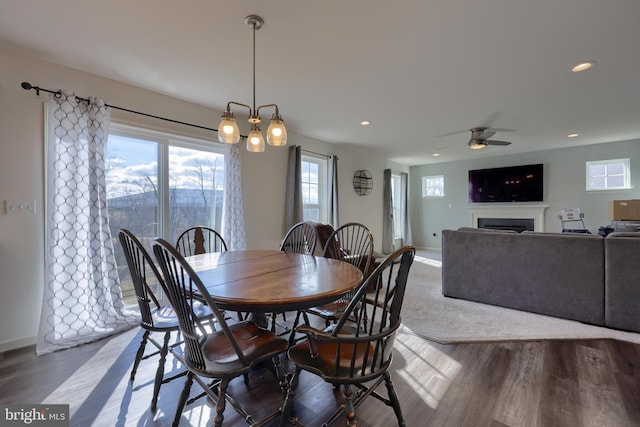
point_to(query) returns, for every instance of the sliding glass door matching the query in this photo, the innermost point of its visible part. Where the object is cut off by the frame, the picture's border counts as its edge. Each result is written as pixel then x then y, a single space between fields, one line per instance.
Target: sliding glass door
pixel 159 185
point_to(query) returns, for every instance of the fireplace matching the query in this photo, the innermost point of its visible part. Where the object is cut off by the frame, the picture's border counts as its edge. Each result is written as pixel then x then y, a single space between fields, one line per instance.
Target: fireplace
pixel 534 213
pixel 515 224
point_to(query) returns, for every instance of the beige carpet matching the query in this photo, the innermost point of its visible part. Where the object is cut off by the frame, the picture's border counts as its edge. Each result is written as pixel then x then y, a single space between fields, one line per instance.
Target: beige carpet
pixel 426 312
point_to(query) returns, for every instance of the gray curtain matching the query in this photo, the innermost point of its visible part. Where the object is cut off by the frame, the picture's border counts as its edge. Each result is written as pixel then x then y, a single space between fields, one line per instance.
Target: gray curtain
pixel 387 214
pixel 293 213
pixel 333 192
pixel 404 209
pixel 82 300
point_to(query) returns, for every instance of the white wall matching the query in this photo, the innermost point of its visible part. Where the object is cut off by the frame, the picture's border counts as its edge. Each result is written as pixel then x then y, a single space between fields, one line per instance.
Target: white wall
pixel 564 187
pixel 21 176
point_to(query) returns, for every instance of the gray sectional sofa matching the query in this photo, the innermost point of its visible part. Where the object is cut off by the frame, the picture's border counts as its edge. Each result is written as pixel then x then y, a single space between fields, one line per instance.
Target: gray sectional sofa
pixel 575 276
pixel 622 281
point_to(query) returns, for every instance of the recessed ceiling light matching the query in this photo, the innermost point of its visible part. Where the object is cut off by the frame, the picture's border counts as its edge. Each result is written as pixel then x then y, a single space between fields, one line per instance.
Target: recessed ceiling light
pixel 435 154
pixel 573 135
pixel 583 66
pixel 365 123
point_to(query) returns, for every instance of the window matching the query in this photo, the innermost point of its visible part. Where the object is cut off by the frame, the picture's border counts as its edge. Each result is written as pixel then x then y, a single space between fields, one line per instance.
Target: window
pixel 314 188
pixel 159 185
pixel 433 186
pixel 608 175
pixel 398 225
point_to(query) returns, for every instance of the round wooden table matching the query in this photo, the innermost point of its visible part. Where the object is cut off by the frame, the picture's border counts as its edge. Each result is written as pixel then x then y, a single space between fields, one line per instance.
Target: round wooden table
pixel 273 281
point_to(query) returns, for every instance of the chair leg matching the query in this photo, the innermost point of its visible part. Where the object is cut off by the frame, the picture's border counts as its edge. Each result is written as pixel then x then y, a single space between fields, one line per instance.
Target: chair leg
pixel 292 333
pixel 281 375
pixel 350 410
pixel 183 398
pixel 393 397
pixel 140 353
pixel 221 403
pixel 288 408
pixel 160 371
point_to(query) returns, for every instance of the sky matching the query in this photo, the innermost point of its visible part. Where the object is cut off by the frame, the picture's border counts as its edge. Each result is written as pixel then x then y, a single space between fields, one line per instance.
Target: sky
pixel 132 167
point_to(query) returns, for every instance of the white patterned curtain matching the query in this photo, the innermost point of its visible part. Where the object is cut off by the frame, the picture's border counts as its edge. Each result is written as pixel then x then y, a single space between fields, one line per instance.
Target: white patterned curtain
pixel 82 297
pixel 233 213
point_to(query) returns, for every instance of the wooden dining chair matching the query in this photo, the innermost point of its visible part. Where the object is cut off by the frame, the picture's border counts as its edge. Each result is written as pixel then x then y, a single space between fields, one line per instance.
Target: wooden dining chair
pixel 154 317
pixel 350 356
pixel 221 355
pixel 352 243
pixel 301 238
pixel 200 240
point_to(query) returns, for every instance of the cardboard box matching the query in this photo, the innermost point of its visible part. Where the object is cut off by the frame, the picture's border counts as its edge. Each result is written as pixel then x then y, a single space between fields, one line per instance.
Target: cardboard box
pixel 624 210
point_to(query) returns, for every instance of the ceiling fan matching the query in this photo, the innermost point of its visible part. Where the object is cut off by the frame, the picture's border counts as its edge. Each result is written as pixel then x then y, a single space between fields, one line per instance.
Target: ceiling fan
pixel 480 138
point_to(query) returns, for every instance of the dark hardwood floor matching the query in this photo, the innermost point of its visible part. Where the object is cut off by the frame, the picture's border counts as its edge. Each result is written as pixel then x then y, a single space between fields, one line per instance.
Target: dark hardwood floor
pixel 545 383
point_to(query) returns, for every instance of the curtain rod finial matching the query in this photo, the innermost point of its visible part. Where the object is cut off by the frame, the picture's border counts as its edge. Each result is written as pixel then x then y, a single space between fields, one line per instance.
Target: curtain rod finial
pixel 26 86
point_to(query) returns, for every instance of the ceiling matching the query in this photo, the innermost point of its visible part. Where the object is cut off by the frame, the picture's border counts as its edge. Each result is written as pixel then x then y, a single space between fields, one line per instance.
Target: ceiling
pixel 423 72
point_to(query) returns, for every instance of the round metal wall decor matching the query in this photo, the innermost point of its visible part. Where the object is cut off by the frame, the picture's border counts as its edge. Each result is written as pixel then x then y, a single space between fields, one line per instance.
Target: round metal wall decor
pixel 362 182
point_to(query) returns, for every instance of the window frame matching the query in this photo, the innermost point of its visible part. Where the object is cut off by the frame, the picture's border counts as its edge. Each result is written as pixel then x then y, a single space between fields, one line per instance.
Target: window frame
pixel 323 185
pixel 424 187
pixel 396 187
pixel 626 175
pixel 164 141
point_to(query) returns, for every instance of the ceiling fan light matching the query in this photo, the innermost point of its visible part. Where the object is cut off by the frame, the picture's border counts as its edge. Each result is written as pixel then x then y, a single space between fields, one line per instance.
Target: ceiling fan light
pixel 228 131
pixel 583 66
pixel 255 140
pixel 277 132
pixel 477 145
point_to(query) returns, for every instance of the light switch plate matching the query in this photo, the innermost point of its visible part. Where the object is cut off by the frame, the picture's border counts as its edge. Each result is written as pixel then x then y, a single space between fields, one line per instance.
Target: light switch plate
pixel 20 207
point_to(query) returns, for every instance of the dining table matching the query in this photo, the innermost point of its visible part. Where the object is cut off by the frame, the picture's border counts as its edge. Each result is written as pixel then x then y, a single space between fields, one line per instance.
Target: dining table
pixel 267 281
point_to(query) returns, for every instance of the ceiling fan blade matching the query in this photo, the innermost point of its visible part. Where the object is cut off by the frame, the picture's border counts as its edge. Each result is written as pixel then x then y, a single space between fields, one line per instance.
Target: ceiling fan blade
pixel 453 133
pixel 487 134
pixel 494 142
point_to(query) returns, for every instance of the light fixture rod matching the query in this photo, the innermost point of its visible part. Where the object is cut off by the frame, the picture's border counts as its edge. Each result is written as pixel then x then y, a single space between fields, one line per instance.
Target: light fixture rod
pixel 255 23
pixel 254 69
pixel 228 131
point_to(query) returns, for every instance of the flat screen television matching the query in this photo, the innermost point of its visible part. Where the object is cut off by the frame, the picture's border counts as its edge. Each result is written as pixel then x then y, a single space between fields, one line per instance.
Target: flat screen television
pixel 508 184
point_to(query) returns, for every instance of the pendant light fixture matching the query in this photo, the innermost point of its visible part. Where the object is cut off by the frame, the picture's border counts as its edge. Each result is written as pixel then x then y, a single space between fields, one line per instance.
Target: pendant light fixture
pixel 228 131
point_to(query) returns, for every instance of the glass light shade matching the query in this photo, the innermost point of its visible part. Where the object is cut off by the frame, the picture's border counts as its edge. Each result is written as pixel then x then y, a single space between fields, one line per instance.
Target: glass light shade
pixel 477 146
pixel 277 133
pixel 255 141
pixel 228 131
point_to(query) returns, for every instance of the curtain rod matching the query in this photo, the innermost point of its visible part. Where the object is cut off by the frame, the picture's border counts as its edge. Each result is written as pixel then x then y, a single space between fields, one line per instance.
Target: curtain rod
pixel 317 154
pixel 58 93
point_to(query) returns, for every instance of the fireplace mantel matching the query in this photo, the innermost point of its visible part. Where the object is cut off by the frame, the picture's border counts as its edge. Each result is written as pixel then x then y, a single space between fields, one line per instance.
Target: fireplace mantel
pixel 535 212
